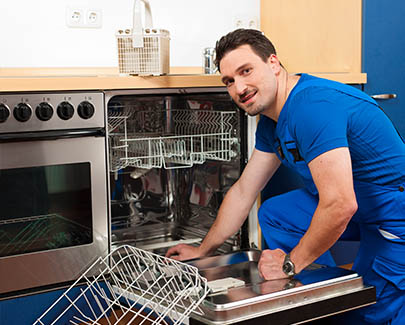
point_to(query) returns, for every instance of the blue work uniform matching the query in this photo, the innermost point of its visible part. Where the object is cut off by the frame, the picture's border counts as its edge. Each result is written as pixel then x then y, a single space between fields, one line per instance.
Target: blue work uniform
pixel 321 115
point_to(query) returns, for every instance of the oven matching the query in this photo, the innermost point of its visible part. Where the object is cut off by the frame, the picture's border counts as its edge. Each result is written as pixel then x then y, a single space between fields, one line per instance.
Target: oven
pixel 53 185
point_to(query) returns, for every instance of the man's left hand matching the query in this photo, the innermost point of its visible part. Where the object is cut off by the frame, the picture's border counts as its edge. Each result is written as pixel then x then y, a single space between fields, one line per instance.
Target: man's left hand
pixel 271 264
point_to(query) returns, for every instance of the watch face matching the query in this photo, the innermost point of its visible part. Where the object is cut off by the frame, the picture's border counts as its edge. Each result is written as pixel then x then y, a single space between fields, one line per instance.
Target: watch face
pixel 288 267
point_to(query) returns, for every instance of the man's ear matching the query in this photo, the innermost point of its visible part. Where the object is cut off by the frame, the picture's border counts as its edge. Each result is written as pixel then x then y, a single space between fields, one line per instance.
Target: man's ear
pixel 274 63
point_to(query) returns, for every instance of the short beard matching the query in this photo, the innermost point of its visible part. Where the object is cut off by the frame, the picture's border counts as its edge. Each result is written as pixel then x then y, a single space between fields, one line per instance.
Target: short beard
pixel 257 111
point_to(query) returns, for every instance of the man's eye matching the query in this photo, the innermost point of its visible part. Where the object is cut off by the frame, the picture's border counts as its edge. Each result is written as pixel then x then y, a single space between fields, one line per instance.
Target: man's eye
pixel 228 83
pixel 246 71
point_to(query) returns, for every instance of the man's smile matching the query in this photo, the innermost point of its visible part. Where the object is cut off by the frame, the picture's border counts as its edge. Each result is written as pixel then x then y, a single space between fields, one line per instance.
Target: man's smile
pixel 244 98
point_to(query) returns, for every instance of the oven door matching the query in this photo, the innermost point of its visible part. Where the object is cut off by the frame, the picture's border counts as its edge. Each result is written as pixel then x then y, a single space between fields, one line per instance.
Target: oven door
pixel 53 210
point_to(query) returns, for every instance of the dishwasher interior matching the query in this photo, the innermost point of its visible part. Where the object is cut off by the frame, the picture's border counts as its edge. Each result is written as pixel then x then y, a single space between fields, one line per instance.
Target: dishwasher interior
pixel 172 158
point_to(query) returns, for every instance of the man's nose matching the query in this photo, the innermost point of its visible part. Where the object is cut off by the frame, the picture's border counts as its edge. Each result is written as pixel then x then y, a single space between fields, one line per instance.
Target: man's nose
pixel 240 87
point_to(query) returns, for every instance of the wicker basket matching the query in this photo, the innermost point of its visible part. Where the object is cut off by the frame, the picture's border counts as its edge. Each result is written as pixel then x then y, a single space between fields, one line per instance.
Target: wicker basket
pixel 143 50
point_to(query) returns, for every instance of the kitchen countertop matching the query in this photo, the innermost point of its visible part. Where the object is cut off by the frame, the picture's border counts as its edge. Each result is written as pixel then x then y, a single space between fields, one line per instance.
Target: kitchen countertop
pixel 57 79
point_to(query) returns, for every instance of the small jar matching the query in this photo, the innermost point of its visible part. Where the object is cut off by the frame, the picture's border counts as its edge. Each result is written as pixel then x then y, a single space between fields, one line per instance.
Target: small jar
pixel 208 61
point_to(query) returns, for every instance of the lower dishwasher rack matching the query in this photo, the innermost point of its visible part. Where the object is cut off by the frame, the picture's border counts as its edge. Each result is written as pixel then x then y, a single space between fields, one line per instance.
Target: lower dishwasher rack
pixel 130 286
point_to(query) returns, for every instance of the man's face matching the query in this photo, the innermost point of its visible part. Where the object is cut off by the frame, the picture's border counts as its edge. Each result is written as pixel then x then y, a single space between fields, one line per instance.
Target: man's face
pixel 250 81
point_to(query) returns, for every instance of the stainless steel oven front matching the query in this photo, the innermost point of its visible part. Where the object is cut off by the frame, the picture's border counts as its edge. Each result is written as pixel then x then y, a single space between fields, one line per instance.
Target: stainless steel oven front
pixel 53 184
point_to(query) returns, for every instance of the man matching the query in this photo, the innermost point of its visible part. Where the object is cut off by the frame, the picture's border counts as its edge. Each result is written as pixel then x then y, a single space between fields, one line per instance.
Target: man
pixel 350 157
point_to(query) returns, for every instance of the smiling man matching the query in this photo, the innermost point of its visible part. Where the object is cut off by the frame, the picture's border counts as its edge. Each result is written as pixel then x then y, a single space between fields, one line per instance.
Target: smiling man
pixel 350 157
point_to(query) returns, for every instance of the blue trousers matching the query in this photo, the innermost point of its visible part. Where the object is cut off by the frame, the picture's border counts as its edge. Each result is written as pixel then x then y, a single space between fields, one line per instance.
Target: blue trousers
pixel 379 225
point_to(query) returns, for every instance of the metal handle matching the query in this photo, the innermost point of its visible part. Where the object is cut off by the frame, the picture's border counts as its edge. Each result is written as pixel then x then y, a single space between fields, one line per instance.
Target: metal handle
pixel 51 135
pixel 384 96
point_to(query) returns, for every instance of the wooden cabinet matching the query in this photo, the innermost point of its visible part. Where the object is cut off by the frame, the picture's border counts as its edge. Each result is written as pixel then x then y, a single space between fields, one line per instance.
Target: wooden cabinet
pixel 315 36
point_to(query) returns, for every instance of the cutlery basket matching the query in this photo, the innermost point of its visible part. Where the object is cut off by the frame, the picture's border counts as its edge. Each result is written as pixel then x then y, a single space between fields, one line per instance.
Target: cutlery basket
pixel 143 50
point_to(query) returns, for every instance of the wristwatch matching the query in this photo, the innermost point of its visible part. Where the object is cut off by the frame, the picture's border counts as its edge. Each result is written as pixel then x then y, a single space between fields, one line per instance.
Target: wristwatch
pixel 288 266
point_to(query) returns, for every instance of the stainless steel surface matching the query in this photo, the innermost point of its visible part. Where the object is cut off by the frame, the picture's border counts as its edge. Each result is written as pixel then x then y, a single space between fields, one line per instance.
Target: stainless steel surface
pixel 159 235
pixel 35 139
pixel 384 96
pixel 55 122
pixel 259 297
pixel 58 265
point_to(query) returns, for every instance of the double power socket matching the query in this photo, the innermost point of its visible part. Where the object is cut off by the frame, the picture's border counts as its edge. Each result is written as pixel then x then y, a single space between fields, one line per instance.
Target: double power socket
pixel 81 17
pixel 246 21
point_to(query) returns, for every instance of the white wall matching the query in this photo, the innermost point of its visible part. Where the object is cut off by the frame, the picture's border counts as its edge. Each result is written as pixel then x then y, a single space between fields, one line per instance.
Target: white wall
pixel 33 33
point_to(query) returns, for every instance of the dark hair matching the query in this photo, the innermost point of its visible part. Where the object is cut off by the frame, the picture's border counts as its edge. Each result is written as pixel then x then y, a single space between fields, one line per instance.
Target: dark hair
pixel 259 43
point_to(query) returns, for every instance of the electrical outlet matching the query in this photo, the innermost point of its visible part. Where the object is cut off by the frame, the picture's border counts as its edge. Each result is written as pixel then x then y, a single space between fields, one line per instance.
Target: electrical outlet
pixel 252 23
pixel 74 17
pixel 239 23
pixel 79 17
pixel 244 21
pixel 94 18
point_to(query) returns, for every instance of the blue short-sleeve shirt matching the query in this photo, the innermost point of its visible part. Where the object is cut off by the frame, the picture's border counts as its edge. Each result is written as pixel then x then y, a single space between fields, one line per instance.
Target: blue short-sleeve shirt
pixel 320 115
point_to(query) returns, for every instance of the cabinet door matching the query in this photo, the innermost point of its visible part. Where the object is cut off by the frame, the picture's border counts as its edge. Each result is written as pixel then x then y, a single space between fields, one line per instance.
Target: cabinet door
pixel 383 55
pixel 314 36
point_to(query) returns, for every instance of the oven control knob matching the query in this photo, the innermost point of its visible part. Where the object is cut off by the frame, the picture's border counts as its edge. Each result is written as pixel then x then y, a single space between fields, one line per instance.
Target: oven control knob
pixel 22 112
pixel 85 110
pixel 65 110
pixel 44 111
pixel 4 113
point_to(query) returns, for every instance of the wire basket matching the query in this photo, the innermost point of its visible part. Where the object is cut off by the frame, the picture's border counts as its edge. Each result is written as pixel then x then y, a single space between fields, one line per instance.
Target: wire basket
pixel 131 286
pixel 143 51
pixel 200 135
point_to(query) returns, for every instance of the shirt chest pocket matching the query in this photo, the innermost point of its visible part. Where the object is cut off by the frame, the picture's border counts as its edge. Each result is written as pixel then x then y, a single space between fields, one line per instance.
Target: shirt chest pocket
pixel 289 153
pixel 292 153
pixel 291 156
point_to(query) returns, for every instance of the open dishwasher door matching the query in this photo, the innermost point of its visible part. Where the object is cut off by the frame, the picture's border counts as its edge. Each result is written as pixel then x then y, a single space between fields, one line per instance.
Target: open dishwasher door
pixel 317 292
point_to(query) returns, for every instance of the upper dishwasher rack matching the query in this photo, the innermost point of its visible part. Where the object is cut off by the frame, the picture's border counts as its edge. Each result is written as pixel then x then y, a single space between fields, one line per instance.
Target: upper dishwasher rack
pixel 180 138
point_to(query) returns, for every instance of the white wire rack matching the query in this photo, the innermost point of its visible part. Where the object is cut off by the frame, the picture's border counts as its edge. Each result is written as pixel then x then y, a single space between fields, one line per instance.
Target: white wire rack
pixel 199 135
pixel 116 118
pixel 130 286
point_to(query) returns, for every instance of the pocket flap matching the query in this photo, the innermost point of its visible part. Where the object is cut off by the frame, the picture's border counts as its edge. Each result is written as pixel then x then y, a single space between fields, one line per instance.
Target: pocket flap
pixel 390 271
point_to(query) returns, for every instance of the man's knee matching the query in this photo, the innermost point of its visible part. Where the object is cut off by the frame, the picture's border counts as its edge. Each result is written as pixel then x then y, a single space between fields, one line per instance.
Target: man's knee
pixel 266 213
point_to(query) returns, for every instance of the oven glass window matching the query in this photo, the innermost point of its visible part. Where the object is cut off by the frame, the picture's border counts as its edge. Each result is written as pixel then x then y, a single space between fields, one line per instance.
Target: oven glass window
pixel 44 208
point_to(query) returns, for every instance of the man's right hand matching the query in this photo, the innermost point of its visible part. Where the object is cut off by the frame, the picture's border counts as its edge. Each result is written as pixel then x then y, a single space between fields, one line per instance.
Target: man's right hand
pixel 183 252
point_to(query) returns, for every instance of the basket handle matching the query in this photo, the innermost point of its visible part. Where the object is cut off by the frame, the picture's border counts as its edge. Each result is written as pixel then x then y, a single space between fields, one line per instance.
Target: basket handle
pixel 137 30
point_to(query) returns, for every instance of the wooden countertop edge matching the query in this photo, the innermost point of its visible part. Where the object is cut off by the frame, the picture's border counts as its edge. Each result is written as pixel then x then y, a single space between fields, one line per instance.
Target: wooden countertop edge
pixel 80 71
pixel 56 79
pixel 106 82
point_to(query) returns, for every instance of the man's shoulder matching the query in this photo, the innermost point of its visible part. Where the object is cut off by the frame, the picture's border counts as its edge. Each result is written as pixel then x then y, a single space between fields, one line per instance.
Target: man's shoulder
pixel 316 88
pixel 310 84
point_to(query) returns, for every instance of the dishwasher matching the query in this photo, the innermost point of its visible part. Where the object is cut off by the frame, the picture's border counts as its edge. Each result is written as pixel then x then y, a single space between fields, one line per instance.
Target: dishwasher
pixel 173 155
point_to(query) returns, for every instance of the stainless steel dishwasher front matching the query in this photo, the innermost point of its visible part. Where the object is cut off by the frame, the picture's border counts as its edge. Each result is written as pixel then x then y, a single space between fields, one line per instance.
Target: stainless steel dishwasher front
pixel 316 292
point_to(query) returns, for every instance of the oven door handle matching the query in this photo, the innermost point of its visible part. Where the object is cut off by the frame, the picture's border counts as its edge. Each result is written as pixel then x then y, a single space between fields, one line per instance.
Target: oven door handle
pixel 52 135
